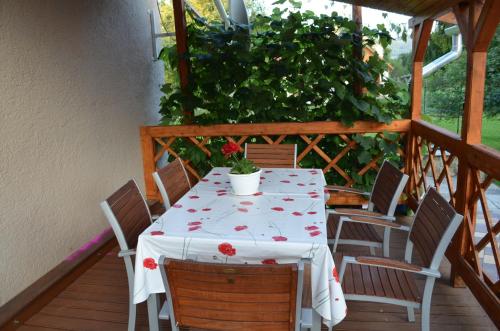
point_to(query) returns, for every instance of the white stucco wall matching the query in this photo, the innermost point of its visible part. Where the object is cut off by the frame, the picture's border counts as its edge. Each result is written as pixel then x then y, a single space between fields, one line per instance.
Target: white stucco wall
pixel 76 81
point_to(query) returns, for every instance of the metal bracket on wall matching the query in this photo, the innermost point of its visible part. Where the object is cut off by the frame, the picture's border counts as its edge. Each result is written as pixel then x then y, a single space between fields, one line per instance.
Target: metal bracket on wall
pixel 155 35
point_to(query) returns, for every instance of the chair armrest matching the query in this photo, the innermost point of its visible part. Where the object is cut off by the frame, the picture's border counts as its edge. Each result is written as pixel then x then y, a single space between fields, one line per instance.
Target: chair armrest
pixel 346 189
pixel 387 263
pixel 129 252
pixel 376 221
pixel 361 212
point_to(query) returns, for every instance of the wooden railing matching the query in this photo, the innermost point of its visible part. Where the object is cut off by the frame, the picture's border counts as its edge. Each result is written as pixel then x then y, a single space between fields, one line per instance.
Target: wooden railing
pixel 463 173
pixel 158 140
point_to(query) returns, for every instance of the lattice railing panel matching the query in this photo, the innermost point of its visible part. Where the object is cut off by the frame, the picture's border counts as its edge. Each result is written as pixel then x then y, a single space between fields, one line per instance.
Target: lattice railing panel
pixel 437 159
pixel 435 166
pixel 326 145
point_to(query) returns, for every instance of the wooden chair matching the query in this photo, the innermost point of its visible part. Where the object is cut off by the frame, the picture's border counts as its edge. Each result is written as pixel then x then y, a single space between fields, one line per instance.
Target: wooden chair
pixel 383 200
pixel 234 296
pixel 272 156
pixel 383 280
pixel 128 214
pixel 172 181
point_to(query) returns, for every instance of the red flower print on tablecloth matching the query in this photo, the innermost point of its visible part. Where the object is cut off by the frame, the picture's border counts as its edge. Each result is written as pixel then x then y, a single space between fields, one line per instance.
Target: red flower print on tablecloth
pixel 217 183
pixel 314 233
pixel 262 177
pixel 280 238
pixel 216 174
pixel 313 172
pixel 301 184
pixel 312 183
pixel 243 210
pixel 194 228
pixel 246 203
pixel 288 199
pixel 194 197
pixel 191 210
pixel 207 209
pixel 157 233
pixel 311 227
pixel 314 196
pixel 240 228
pixel 221 191
pixel 177 205
pixel 297 213
pixel 285 181
pixel 312 212
pixel 335 275
pixel 293 175
pixel 269 261
pixel 221 194
pixel 194 223
pixel 204 180
pixel 149 263
pixel 227 249
pixel 277 209
pixel 312 192
pixel 257 194
pixel 268 171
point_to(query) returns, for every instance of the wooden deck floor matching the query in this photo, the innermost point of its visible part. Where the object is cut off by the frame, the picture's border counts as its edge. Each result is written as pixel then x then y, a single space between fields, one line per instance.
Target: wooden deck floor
pixel 97 300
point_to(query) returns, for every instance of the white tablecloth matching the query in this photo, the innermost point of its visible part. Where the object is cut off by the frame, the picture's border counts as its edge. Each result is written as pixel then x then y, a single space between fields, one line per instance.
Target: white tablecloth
pixel 281 224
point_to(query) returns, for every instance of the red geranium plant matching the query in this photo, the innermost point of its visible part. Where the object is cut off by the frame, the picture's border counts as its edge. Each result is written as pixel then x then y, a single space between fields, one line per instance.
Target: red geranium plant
pixel 241 166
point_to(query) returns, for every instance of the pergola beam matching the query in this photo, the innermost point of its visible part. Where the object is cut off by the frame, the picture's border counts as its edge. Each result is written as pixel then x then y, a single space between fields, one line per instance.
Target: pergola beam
pixel 486 25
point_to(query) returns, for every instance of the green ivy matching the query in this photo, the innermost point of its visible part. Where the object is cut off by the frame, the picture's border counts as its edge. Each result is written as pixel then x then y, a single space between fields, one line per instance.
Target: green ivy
pixel 292 67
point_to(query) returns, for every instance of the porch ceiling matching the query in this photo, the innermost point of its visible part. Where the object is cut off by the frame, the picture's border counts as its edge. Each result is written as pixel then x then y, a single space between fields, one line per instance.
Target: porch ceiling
pixel 415 8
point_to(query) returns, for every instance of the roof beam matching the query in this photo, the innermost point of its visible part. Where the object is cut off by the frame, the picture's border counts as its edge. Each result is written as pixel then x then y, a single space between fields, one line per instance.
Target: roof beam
pixel 486 25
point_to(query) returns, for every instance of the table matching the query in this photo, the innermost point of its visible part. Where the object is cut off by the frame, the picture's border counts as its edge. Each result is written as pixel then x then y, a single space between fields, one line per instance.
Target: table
pixel 282 223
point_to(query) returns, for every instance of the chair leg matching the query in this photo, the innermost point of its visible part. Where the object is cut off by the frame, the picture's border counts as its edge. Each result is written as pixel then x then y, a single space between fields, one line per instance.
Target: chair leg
pixel 426 303
pixel 131 314
pixel 131 306
pixel 386 243
pixel 411 314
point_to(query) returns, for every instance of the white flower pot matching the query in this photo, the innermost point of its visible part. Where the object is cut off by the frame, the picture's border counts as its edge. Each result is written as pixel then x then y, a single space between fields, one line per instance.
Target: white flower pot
pixel 245 184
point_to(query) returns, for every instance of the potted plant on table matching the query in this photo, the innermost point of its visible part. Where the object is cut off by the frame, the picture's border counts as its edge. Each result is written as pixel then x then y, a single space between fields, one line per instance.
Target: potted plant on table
pixel 244 175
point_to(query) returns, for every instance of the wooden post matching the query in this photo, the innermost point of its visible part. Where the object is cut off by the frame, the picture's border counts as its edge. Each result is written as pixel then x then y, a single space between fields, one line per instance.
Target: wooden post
pixel 357 17
pixel 478 23
pixel 148 163
pixel 182 48
pixel 421 35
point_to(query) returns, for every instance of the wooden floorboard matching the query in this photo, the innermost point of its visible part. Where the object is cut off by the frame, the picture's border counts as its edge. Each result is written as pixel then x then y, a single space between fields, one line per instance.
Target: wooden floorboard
pixel 98 300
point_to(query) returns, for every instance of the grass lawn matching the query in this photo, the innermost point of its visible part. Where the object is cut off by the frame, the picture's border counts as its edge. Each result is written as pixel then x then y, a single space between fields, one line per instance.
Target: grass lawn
pixel 491 129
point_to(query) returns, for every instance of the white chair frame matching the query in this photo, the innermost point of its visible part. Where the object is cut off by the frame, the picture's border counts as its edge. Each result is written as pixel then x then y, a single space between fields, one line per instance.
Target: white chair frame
pixel 294 154
pixel 128 255
pixel 431 273
pixel 389 217
pixel 163 190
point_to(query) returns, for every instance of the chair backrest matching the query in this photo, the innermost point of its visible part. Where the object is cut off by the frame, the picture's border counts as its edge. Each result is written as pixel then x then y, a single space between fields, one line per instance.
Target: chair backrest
pixel 128 214
pixel 172 181
pixel 272 156
pixel 233 297
pixel 387 189
pixel 433 227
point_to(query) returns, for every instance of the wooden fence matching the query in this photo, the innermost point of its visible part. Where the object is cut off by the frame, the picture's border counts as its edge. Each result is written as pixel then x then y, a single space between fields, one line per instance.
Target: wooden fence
pixel 463 173
pixel 158 140
pixel 433 157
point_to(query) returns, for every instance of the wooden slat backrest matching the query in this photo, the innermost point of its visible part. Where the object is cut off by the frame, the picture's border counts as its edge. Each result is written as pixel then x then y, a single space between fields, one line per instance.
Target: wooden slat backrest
pixel 432 219
pixel 232 297
pixel 385 187
pixel 272 156
pixel 131 212
pixel 175 180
